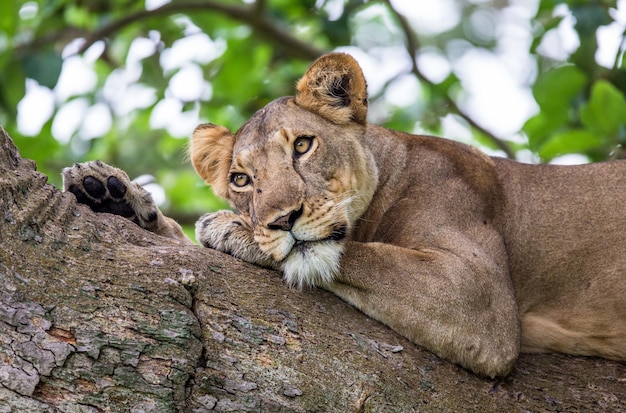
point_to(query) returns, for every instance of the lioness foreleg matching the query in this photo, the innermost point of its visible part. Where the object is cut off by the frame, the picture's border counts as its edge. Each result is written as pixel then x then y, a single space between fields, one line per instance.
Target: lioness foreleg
pixel 105 188
pixel 225 231
pixel 458 304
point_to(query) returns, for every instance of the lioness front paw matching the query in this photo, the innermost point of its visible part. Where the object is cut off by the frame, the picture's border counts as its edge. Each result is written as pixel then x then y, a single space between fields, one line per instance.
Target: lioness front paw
pixel 105 188
pixel 225 231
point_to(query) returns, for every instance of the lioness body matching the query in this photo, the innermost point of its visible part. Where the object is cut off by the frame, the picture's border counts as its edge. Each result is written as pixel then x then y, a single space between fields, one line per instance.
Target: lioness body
pixel 565 233
pixel 562 228
pixel 474 257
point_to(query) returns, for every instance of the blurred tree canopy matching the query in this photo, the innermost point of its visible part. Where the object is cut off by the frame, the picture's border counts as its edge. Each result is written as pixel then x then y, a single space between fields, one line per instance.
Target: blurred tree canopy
pixel 127 81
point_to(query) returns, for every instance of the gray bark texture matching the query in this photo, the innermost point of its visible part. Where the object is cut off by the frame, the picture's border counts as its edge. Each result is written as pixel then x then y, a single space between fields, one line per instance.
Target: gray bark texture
pixel 98 315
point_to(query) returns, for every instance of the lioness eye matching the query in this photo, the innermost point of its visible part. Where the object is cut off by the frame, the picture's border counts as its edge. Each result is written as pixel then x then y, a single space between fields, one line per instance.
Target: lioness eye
pixel 302 145
pixel 240 180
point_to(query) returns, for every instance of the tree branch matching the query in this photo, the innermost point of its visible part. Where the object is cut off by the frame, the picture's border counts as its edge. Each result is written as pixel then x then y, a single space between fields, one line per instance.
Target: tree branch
pixel 97 312
pixel 412 46
pixel 248 14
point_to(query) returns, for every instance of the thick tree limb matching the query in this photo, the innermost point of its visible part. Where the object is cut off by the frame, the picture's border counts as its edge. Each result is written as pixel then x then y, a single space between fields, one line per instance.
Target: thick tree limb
pixel 98 315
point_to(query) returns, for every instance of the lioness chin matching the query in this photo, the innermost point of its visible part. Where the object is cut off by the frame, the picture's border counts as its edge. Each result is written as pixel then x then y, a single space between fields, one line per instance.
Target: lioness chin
pixel 475 258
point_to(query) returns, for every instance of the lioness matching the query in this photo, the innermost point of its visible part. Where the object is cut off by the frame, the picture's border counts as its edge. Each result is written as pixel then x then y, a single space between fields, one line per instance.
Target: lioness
pixel 475 258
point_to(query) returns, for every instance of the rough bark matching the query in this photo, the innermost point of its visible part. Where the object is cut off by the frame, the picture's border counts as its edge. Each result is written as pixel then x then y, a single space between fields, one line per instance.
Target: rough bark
pixel 98 315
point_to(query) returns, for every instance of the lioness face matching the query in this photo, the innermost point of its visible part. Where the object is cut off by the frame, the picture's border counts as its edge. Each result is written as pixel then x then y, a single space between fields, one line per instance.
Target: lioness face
pixel 297 171
pixel 300 182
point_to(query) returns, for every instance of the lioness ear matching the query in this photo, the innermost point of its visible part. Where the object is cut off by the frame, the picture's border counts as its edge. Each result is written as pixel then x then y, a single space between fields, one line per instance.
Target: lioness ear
pixel 211 152
pixel 334 87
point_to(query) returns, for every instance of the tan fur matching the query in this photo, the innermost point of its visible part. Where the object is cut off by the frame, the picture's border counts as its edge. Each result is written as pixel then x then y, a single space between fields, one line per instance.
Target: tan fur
pixel 335 89
pixel 475 258
pixel 129 200
pixel 210 151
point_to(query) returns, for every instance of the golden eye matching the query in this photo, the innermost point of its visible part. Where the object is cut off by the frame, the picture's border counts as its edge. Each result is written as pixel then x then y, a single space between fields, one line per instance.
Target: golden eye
pixel 302 145
pixel 239 180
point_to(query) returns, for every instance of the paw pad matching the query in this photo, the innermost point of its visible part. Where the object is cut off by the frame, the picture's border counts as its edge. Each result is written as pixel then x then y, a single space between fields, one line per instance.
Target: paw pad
pixel 93 187
pixel 107 189
pixel 116 188
pixel 104 188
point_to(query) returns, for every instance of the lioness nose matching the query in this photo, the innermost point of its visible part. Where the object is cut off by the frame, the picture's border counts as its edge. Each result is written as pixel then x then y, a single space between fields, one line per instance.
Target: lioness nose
pixel 286 221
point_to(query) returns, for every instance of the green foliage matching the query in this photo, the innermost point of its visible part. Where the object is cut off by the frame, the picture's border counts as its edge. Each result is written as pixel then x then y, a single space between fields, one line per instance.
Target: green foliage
pixel 569 123
pixel 555 91
pixel 605 112
pixel 43 66
pixel 252 53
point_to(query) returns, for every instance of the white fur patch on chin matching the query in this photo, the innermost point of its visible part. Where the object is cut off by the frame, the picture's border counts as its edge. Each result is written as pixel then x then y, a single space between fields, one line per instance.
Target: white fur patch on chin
pixel 312 264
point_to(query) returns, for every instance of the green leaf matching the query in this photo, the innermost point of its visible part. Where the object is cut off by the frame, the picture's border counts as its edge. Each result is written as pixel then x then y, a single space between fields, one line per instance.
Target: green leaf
pixel 178 187
pixel 539 127
pixel 573 141
pixel 554 90
pixel 12 87
pixel 43 66
pixel 605 112
pixel 80 17
pixel 9 17
pixel 589 16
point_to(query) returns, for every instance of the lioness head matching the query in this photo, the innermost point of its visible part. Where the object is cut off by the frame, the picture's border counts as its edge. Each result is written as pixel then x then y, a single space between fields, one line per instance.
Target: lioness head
pixel 297 171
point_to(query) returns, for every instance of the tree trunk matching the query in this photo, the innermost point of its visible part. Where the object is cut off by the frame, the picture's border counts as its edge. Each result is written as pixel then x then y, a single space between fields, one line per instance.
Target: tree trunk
pixel 98 315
